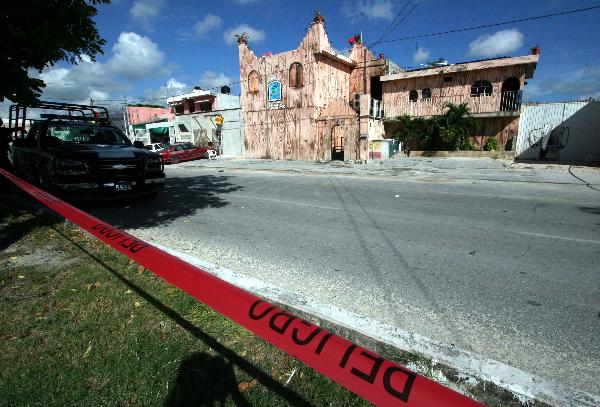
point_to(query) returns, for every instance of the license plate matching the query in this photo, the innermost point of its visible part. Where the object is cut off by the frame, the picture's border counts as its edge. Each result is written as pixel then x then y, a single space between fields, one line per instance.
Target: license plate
pixel 123 186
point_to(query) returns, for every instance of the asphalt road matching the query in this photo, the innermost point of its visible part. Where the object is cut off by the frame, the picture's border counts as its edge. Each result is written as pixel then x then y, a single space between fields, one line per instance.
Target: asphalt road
pixel 507 270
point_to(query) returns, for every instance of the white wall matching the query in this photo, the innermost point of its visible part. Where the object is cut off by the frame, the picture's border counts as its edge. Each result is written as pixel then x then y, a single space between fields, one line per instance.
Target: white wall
pixel 232 132
pixel 577 124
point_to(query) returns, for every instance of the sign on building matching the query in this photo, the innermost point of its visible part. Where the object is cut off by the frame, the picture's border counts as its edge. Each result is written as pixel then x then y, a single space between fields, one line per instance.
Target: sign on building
pixel 274 88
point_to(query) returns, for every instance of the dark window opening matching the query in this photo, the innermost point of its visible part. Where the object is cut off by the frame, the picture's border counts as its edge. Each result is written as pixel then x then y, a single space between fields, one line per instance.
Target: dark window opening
pixel 205 106
pixel 426 93
pixel 178 109
pixel 481 88
pixel 376 88
pixel 192 106
pixel 413 96
pixel 511 84
pixel 182 128
pixel 448 79
pixel 510 99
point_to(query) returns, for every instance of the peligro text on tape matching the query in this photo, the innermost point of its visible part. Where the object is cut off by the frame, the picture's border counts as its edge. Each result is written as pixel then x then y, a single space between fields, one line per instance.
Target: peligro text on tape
pixel 361 371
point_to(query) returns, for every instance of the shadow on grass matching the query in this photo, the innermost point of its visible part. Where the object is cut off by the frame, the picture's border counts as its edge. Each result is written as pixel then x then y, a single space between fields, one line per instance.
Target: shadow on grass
pixel 205 380
pixel 197 362
pixel 15 230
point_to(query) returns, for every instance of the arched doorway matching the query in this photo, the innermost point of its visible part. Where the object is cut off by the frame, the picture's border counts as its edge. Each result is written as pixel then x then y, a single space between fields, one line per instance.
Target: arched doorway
pixel 337 143
pixel 511 95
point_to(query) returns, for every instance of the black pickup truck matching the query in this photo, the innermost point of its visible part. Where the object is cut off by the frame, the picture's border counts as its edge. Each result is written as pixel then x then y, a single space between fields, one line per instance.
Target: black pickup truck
pixel 82 156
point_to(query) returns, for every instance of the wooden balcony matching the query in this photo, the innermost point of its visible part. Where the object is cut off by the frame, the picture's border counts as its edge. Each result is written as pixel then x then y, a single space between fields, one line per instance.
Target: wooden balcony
pixel 484 105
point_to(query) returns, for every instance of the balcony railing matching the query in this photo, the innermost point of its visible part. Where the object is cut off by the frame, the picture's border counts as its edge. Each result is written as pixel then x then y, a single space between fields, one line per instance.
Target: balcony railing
pixel 376 109
pixel 509 101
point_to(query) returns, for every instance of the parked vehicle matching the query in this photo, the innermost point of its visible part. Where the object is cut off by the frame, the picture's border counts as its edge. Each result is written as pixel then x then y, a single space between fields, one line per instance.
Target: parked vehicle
pixel 82 156
pixel 179 152
pixel 155 146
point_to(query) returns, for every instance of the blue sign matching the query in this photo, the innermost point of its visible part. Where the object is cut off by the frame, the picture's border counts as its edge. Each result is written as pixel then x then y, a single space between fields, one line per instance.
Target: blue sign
pixel 274 91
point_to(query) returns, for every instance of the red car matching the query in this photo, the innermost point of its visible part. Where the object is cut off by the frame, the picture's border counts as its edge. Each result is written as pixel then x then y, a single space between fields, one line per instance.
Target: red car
pixel 176 153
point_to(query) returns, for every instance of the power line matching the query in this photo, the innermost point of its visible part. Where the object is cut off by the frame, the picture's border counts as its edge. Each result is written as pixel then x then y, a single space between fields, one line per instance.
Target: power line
pixel 520 20
pixel 388 29
pixel 567 12
pixel 396 25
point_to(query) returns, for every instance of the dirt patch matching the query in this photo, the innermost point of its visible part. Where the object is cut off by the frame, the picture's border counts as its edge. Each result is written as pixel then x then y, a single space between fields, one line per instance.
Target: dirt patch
pixel 42 256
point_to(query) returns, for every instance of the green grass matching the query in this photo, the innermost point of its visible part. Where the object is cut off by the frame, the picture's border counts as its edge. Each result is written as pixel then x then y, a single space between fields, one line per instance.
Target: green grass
pixel 82 325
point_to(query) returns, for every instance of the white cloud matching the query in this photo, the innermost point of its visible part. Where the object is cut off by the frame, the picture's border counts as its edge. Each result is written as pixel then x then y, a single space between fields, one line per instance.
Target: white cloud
pixel 211 79
pixel 500 43
pixel 254 35
pixel 144 11
pixel 578 84
pixel 172 88
pixel 175 84
pixel 135 57
pixel 208 23
pixel 421 55
pixel 369 9
pixel 79 83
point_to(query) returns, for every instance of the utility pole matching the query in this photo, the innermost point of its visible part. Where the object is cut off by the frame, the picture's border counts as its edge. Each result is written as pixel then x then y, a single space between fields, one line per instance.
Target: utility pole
pixel 267 110
pixel 364 69
pixel 125 118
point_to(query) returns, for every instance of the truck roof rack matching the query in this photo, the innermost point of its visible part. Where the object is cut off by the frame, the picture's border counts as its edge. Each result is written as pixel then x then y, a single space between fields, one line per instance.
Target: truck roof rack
pixel 76 112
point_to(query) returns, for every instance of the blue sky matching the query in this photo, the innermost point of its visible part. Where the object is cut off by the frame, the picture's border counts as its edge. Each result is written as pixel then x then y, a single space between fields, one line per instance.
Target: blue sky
pixel 160 47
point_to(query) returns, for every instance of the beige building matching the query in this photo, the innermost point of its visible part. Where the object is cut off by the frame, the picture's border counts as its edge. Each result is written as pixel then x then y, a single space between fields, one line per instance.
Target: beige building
pixel 492 89
pixel 311 103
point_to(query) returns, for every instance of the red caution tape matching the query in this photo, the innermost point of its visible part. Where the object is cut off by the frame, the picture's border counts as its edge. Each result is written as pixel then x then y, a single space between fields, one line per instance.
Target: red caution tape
pixel 361 371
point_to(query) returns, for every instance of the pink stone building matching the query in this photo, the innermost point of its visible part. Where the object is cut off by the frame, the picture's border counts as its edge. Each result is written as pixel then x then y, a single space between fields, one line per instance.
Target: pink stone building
pixel 306 104
pixel 311 103
pixel 492 89
pixel 144 114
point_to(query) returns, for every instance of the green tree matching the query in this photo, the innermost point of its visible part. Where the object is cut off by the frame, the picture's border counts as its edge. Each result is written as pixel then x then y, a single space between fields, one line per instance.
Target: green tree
pixel 35 34
pixel 456 127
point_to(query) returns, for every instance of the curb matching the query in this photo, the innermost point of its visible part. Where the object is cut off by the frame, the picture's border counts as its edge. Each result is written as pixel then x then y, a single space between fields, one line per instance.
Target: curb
pixel 489 381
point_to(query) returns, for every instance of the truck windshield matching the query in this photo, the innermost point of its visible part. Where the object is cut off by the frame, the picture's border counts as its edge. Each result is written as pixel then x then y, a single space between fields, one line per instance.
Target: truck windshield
pixel 83 133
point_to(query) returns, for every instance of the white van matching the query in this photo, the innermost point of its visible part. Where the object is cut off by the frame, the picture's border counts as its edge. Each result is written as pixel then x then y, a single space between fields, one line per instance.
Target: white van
pixel 154 146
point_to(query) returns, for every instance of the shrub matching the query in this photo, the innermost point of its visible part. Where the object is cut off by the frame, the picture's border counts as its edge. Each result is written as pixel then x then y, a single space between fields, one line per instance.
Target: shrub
pixel 450 131
pixel 491 144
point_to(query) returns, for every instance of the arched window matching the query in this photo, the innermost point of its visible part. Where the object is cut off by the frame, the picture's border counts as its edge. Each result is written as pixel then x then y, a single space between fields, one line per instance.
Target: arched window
pixel 296 75
pixel 426 93
pixel 481 88
pixel 253 81
pixel 413 96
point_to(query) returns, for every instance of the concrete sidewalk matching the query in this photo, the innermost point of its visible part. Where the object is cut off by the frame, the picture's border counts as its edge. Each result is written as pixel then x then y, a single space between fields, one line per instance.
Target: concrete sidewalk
pixel 423 169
